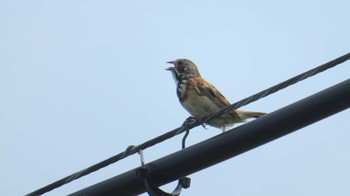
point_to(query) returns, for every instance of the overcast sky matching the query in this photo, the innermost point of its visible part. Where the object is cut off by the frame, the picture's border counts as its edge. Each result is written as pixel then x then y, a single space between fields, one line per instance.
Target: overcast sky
pixel 82 80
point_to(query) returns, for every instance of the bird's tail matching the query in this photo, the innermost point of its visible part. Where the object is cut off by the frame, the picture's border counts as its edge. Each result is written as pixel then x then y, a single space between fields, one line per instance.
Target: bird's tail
pixel 249 114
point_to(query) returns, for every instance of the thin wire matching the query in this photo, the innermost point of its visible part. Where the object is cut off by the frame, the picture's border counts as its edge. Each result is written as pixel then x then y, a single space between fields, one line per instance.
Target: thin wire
pixel 278 87
pixel 189 124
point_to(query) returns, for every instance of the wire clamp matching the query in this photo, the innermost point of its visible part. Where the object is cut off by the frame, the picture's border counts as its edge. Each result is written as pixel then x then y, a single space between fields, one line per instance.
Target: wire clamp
pixel 152 189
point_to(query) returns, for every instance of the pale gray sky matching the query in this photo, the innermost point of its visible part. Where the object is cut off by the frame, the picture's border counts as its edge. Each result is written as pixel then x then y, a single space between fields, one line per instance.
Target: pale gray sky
pixel 82 80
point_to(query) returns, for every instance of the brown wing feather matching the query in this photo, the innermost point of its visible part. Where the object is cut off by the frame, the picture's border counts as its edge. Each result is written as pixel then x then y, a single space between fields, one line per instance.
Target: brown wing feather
pixel 204 88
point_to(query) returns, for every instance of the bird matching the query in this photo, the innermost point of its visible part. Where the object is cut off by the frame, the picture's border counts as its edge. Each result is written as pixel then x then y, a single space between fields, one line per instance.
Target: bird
pixel 200 98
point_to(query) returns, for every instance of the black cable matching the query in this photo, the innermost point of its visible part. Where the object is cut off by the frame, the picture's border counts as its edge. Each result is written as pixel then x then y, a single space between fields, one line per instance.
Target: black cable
pixel 189 124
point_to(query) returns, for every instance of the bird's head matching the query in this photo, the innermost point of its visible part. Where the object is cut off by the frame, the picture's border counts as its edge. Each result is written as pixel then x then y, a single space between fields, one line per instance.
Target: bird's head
pixel 183 68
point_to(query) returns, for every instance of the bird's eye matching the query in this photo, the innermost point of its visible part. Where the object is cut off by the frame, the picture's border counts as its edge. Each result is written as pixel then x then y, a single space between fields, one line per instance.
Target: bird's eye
pixel 179 63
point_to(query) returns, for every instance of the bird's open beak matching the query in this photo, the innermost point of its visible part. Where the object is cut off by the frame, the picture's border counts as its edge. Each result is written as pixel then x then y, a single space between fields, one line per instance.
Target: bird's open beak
pixel 170 68
pixel 171 62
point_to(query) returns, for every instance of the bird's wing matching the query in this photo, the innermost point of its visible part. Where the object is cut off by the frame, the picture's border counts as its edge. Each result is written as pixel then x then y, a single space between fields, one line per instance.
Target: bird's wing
pixel 204 88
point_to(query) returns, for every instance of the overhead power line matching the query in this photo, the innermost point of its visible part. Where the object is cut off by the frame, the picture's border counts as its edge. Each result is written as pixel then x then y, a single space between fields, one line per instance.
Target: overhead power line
pixel 227 145
pixel 134 149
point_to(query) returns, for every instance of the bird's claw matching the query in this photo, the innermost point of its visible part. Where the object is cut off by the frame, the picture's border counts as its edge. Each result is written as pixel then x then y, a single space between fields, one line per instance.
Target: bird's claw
pixel 202 123
pixel 189 122
pixel 192 121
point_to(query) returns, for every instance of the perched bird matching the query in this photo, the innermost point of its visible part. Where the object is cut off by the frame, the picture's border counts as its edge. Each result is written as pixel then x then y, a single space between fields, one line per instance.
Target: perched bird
pixel 200 98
